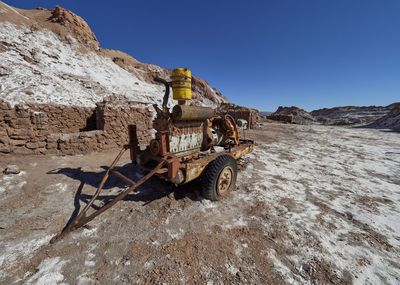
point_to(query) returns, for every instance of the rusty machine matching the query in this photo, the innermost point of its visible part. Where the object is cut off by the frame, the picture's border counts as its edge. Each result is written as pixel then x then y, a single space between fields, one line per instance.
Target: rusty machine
pixel 190 142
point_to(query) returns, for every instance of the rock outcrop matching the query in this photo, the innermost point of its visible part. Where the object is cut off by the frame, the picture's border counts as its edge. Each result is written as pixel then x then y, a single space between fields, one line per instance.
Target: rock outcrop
pixel 390 121
pixel 56 56
pixel 292 115
pixel 252 116
pixel 350 115
pixel 60 92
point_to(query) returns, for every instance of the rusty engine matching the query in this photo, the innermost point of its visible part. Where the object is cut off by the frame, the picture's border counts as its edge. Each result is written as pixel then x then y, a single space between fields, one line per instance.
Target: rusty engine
pixel 190 142
pixel 186 133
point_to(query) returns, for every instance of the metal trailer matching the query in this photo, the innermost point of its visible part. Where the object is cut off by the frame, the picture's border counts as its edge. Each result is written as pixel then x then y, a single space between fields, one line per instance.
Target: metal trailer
pixel 190 142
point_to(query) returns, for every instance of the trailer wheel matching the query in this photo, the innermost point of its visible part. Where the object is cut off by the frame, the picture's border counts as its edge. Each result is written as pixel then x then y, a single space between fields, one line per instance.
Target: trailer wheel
pixel 219 177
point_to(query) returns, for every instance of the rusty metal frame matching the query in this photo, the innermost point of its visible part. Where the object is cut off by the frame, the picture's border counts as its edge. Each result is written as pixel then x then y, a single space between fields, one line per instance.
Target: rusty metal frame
pixel 133 142
pixel 167 166
pixel 82 219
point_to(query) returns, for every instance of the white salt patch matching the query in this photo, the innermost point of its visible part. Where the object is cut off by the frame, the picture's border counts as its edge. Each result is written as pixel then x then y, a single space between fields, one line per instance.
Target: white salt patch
pixel 206 205
pixel 90 263
pixel 88 232
pixel 63 187
pixel 49 272
pixel 247 172
pixel 12 251
pixel 149 264
pixel 236 223
pixel 56 188
pixel 240 248
pixel 85 280
pixel 21 184
pixel 64 74
pixel 176 234
pixel 333 166
pixel 231 268
pixel 91 255
pixel 283 269
pixel 58 73
pixel 12 182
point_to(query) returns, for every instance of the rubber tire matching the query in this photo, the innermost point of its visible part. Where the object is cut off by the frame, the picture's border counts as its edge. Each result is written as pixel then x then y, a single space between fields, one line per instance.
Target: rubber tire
pixel 211 173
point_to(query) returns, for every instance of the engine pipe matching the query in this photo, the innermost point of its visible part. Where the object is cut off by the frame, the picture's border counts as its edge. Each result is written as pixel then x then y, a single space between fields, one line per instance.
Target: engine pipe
pixel 187 112
pixel 166 94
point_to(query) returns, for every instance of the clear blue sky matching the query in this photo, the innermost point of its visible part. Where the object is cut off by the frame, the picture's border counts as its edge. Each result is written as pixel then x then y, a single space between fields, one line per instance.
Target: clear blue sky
pixel 309 53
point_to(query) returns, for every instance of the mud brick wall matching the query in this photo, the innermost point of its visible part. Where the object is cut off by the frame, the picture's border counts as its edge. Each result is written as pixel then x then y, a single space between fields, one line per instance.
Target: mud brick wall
pixel 82 142
pixel 114 120
pixel 22 131
pixel 67 119
pixel 47 129
pixel 252 116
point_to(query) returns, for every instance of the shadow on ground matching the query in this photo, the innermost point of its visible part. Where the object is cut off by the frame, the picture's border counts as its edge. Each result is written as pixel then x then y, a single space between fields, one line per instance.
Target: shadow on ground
pixel 151 190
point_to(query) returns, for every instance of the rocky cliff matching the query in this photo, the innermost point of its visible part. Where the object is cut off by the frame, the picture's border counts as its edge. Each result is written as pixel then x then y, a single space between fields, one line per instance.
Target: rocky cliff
pixel 291 115
pixel 368 116
pixel 61 93
pixel 350 115
pixel 52 56
pixel 390 121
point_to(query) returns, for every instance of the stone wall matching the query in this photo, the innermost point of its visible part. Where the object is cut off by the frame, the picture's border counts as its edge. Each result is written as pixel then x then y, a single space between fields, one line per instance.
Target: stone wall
pixel 252 116
pixel 43 129
pixel 22 130
pixel 67 119
pixel 114 117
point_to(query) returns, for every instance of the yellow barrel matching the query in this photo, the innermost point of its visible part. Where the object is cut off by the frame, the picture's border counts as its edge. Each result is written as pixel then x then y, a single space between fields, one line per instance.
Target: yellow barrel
pixel 181 84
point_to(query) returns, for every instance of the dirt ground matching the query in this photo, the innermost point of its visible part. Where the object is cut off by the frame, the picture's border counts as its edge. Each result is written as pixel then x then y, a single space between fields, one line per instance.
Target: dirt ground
pixel 313 205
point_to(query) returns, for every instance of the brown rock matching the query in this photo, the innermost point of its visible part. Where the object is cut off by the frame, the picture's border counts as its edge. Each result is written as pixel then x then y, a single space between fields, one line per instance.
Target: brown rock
pixel 52 151
pixel 17 142
pixel 8 118
pixel 11 169
pixel 51 145
pixel 20 134
pixel 41 144
pixel 4 105
pixel 23 122
pixel 5 148
pixel 22 150
pixel 4 137
pixel 42 133
pixel 32 145
pixel 22 111
pixel 40 151
pixel 39 118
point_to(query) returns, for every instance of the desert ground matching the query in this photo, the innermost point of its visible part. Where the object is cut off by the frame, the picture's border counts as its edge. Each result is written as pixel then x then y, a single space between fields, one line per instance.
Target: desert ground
pixel 313 205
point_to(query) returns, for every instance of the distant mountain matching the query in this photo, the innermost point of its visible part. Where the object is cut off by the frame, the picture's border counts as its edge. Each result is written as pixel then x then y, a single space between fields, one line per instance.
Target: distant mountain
pixel 265 113
pixel 351 115
pixel 389 121
pixel 387 117
pixel 292 115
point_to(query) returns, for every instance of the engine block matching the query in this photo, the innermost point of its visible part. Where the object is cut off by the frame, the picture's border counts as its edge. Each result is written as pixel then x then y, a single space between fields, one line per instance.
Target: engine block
pixel 185 137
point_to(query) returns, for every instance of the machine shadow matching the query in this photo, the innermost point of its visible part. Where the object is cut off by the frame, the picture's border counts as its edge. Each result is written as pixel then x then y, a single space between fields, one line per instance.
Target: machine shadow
pixel 153 189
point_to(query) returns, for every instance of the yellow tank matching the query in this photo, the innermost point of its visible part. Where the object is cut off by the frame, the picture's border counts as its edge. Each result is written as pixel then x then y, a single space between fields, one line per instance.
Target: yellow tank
pixel 181 84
